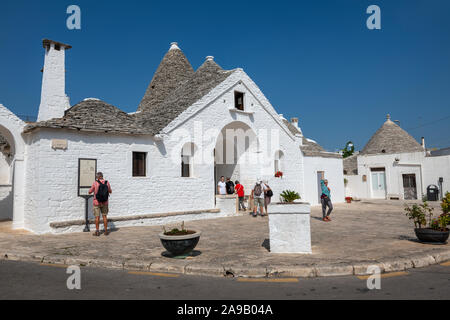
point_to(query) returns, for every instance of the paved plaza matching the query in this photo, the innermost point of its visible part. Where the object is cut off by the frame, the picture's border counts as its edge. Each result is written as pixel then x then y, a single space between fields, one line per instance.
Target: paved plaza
pixel 360 234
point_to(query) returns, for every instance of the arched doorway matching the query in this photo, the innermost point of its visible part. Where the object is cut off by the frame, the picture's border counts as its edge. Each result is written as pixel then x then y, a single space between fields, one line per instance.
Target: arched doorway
pixel 237 155
pixel 12 168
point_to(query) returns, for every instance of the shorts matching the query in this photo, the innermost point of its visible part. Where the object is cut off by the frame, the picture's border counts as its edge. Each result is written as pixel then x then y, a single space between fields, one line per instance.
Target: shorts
pixel 103 208
pixel 259 201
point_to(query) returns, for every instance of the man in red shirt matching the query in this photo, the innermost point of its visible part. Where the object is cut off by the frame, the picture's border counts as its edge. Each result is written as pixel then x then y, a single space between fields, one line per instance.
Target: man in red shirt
pixel 101 189
pixel 239 189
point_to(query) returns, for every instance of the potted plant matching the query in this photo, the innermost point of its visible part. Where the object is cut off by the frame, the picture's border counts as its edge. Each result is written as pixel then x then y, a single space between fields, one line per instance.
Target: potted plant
pixel 348 199
pixel 428 229
pixel 278 174
pixel 179 242
pixel 289 196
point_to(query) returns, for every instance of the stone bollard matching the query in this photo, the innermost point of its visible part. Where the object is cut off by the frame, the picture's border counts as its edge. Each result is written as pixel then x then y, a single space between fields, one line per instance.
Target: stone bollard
pixel 289 227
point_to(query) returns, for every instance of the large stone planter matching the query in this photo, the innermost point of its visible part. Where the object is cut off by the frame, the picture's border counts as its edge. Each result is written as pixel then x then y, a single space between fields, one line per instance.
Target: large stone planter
pixel 289 227
pixel 180 245
pixel 432 236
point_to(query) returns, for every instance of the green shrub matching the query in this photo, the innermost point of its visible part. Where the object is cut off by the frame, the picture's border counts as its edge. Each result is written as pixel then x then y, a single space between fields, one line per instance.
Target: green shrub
pixel 289 196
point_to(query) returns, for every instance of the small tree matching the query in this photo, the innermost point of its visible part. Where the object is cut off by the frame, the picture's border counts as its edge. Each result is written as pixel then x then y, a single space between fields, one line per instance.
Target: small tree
pixel 348 150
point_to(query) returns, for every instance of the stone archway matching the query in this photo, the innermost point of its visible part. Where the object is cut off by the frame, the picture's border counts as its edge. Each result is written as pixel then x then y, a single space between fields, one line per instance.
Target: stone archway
pixel 236 154
pixel 12 168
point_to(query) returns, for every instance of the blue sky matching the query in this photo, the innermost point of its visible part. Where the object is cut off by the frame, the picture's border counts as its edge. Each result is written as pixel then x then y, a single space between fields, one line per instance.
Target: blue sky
pixel 315 60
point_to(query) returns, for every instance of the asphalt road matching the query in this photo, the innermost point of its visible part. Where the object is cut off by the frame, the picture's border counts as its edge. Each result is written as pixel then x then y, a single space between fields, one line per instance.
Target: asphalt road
pixel 21 280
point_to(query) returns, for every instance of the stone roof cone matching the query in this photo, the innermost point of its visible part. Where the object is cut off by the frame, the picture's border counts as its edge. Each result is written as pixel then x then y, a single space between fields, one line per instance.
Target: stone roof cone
pixel 173 70
pixel 390 138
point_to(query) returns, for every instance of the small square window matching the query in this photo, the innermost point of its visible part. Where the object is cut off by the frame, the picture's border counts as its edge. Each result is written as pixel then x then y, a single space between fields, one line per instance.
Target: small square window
pixel 239 100
pixel 139 164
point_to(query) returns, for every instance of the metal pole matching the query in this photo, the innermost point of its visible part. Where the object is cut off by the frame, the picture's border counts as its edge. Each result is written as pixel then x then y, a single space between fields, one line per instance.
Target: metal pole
pixel 86 217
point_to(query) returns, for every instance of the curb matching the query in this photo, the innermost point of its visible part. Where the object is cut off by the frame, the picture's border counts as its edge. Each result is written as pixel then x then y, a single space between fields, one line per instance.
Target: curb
pixel 218 270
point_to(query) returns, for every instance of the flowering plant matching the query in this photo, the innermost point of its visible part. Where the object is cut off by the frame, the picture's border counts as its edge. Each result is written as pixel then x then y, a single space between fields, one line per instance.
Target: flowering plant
pixel 278 174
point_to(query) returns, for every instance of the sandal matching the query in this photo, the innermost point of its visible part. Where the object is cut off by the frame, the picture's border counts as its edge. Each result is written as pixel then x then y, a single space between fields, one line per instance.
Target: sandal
pixel 96 233
pixel 106 233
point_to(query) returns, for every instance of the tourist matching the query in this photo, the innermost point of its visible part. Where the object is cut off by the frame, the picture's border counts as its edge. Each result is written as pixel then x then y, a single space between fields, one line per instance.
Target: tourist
pixel 240 193
pixel 222 186
pixel 230 186
pixel 325 198
pixel 258 196
pixel 267 196
pixel 101 189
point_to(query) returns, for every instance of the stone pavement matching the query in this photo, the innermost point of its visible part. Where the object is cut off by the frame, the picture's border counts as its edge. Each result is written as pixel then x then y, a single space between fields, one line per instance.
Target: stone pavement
pixel 361 234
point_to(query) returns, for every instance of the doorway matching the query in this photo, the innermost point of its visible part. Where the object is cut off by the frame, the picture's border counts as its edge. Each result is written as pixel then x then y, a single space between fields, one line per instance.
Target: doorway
pixel 320 176
pixel 409 186
pixel 378 183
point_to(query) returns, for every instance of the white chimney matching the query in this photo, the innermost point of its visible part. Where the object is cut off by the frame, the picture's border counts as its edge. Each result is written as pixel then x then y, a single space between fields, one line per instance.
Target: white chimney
pixel 294 122
pixel 423 144
pixel 54 100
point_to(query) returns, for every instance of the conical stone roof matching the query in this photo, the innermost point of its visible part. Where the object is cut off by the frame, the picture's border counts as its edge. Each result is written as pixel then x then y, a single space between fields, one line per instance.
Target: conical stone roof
pixel 206 78
pixel 173 70
pixel 390 138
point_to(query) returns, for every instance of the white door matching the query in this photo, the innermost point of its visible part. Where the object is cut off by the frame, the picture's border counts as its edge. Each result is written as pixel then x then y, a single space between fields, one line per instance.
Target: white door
pixel 378 184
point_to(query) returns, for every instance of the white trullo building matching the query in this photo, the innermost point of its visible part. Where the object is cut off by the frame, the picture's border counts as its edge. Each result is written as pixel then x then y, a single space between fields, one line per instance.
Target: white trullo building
pixel 164 160
pixel 393 165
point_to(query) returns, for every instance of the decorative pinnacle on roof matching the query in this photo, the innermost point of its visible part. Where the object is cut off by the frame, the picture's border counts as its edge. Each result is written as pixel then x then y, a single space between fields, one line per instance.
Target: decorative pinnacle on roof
pixel 388 117
pixel 209 58
pixel 174 46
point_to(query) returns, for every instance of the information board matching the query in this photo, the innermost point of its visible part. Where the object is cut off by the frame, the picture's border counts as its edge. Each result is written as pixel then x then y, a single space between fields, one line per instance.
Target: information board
pixel 87 169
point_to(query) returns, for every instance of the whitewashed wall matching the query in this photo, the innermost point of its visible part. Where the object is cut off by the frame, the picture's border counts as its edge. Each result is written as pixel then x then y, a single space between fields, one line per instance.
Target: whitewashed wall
pixel 333 169
pixel 5 169
pixel 52 197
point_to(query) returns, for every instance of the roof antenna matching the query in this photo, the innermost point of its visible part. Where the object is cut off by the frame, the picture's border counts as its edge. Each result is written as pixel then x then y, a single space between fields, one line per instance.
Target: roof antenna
pixel 398 122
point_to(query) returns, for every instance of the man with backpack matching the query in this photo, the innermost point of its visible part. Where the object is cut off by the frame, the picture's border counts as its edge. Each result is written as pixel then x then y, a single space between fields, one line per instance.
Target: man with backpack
pixel 258 194
pixel 101 190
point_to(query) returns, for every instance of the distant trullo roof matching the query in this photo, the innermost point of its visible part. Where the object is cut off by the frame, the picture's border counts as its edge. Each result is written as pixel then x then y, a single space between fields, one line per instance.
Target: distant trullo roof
pixel 390 138
pixel 310 148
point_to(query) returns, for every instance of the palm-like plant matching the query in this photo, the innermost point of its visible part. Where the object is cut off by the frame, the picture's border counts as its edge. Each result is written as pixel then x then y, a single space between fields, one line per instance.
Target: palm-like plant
pixel 289 196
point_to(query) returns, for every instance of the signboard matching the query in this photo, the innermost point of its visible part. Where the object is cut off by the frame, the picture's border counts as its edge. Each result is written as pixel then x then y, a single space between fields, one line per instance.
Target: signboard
pixel 87 169
pixel 59 144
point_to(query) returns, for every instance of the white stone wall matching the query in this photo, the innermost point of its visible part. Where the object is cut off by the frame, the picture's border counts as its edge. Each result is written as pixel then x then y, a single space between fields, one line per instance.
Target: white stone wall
pixel 427 171
pixel 6 202
pixel 5 169
pixel 333 169
pixel 52 197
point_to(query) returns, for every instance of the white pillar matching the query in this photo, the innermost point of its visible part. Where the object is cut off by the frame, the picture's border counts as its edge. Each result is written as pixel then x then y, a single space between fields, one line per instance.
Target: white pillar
pixel 54 100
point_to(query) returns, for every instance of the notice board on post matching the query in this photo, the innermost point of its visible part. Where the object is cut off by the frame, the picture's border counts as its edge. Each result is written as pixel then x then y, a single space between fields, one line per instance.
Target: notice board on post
pixel 87 169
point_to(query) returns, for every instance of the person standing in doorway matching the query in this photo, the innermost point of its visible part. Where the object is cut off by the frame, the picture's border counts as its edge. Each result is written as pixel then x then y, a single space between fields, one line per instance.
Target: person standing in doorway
pixel 222 186
pixel 325 198
pixel 230 186
pixel 101 189
pixel 258 196
pixel 241 194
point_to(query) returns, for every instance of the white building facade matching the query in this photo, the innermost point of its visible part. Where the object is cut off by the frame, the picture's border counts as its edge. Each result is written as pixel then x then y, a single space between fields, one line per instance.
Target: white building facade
pixel 164 161
pixel 394 166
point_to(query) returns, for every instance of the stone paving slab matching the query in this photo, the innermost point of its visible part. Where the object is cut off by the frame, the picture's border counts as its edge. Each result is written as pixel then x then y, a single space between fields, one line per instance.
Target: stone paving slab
pixel 361 234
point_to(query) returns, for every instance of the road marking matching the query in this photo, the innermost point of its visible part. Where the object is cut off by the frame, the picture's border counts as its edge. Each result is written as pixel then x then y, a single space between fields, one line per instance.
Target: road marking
pixel 446 264
pixel 386 275
pixel 54 265
pixel 158 274
pixel 281 280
